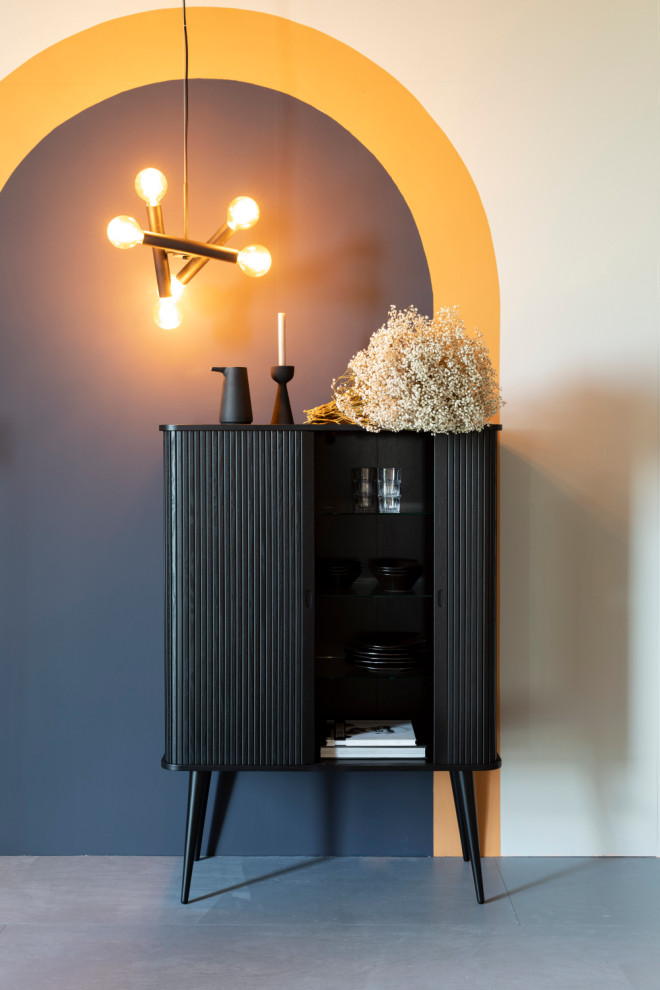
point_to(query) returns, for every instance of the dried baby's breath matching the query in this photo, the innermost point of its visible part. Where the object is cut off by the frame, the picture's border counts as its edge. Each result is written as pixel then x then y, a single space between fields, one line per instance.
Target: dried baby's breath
pixel 416 373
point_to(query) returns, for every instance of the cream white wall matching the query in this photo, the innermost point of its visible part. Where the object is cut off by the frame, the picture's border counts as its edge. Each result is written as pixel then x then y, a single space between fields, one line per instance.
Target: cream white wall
pixel 553 107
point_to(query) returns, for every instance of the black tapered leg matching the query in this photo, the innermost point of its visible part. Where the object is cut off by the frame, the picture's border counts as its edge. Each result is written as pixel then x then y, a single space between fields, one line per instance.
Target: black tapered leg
pixel 460 816
pixel 465 786
pixel 204 799
pixel 199 782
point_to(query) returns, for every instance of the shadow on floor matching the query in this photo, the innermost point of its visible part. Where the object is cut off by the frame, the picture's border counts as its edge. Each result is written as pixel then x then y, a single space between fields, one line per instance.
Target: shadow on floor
pixel 253 880
pixel 557 875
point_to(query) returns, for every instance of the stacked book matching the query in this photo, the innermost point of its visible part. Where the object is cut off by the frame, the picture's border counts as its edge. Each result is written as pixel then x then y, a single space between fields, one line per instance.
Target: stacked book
pixel 367 739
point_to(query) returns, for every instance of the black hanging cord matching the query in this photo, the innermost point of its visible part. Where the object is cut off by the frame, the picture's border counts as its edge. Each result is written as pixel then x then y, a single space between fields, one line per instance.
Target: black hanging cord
pixel 185 122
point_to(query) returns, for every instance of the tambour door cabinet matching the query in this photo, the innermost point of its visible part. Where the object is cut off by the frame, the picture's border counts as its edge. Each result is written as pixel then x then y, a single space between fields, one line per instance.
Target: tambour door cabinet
pixel 254 649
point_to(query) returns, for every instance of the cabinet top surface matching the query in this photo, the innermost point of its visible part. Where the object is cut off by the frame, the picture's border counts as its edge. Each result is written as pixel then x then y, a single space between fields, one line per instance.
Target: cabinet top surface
pixel 315 427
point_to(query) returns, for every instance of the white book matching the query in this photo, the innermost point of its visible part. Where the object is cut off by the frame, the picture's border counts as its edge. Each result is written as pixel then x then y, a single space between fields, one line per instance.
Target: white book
pixel 373 752
pixel 371 732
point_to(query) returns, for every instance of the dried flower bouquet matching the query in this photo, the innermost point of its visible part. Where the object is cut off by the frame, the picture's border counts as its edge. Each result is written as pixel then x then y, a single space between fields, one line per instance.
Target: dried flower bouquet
pixel 416 373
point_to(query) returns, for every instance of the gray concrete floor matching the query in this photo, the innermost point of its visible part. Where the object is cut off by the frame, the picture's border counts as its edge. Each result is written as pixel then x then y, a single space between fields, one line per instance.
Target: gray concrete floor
pixel 115 923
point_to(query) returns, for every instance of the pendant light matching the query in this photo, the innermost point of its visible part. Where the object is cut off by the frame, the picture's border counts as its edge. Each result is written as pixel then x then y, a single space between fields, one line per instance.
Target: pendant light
pixel 151 185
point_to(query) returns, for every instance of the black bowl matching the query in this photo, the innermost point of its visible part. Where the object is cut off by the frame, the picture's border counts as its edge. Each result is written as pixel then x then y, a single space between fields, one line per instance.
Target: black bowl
pixel 393 578
pixel 336 574
pixel 393 563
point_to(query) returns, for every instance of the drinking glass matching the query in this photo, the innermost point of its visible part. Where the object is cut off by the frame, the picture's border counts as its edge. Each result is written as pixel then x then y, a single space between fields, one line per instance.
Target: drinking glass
pixel 364 489
pixel 389 489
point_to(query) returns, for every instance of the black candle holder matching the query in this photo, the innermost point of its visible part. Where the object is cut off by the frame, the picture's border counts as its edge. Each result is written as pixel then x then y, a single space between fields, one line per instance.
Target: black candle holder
pixel 282 373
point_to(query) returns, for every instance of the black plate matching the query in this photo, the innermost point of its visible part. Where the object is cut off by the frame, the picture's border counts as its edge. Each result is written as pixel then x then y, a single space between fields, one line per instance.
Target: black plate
pixel 395 570
pixel 363 656
pixel 388 641
pixel 388 671
pixel 388 657
pixel 411 655
pixel 363 664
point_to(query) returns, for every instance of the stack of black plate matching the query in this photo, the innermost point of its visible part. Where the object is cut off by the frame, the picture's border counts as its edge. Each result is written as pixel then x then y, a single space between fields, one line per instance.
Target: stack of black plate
pixel 388 653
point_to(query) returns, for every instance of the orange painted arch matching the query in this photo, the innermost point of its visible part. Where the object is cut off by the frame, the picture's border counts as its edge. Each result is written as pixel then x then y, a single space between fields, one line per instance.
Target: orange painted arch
pixel 313 67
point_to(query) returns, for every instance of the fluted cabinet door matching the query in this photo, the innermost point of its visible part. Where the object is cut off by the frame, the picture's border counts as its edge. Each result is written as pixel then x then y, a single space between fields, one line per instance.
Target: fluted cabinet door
pixel 239 665
pixel 465 511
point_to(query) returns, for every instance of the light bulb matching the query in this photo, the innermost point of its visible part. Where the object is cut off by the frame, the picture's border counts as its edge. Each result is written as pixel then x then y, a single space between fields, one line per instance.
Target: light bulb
pixel 125 232
pixel 242 213
pixel 151 185
pixel 167 314
pixel 177 288
pixel 255 260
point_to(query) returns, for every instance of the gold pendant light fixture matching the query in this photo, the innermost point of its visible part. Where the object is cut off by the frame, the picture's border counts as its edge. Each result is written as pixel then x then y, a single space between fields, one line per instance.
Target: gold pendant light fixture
pixel 151 185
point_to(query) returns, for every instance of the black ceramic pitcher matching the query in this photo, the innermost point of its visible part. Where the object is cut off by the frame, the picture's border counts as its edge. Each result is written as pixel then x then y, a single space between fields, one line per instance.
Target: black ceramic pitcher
pixel 235 406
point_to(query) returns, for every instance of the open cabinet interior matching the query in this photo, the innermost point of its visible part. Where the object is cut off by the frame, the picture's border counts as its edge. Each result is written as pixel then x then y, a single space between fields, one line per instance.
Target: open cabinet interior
pixel 344 691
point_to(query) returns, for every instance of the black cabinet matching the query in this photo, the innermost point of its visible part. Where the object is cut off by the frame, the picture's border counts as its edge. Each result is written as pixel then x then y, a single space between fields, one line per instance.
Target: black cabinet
pixel 255 650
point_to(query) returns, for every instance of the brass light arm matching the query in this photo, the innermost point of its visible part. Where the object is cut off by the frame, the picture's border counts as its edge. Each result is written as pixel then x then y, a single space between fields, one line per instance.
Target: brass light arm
pixel 161 262
pixel 182 245
pixel 195 265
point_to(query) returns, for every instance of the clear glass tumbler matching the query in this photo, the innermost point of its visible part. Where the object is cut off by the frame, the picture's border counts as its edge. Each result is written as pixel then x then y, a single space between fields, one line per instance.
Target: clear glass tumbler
pixel 389 489
pixel 364 489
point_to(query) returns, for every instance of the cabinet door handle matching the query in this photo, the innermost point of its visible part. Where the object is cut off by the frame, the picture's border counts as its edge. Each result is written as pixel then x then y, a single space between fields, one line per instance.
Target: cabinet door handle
pixel 307 597
pixel 440 599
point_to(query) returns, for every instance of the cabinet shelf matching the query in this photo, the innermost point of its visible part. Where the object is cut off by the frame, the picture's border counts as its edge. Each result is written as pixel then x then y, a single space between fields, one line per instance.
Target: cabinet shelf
pixel 339 668
pixel 353 594
pixel 334 765
pixel 370 515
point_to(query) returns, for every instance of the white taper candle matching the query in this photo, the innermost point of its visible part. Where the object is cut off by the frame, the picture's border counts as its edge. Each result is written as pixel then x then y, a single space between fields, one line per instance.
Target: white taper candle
pixel 281 338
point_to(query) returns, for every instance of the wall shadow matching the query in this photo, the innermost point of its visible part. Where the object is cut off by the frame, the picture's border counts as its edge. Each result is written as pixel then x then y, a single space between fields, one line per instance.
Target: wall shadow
pixel 577 479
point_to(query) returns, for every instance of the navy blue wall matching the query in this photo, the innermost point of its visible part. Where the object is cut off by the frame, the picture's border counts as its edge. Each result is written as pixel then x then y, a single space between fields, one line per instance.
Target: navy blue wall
pixel 86 379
